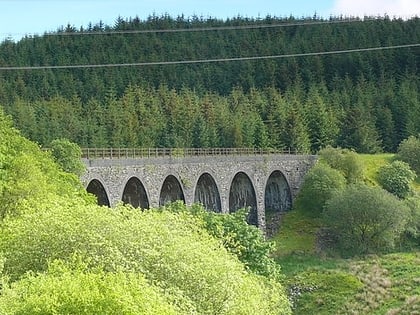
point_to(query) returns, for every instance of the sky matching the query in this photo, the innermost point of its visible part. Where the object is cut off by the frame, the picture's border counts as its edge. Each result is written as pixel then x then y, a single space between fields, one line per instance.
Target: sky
pixel 29 17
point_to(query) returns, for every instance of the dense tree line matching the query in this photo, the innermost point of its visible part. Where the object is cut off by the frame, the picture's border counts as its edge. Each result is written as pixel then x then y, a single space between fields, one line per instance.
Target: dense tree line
pixel 368 101
pixel 351 116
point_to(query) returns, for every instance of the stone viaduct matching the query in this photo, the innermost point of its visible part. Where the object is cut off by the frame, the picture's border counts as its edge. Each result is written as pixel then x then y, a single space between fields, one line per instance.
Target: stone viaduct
pixel 223 180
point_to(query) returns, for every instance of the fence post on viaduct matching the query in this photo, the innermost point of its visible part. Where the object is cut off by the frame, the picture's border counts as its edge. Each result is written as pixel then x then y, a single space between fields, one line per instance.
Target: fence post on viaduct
pixel 265 183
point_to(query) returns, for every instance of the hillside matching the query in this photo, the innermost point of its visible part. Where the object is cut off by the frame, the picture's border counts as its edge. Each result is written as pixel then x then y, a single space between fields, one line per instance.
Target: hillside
pixel 327 284
pixel 366 100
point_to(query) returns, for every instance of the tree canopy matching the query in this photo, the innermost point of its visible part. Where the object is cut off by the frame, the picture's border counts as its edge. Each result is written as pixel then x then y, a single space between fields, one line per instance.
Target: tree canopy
pixel 367 101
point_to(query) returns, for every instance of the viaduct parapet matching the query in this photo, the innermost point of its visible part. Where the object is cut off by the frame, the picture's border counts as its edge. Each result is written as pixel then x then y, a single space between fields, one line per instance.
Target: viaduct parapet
pixel 266 183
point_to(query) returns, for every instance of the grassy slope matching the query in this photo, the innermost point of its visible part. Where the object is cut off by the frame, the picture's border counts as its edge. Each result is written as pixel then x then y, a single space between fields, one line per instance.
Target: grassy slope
pixel 387 284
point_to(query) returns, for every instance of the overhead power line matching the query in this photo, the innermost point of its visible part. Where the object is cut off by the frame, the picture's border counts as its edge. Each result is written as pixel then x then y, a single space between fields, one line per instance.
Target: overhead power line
pixel 199 61
pixel 205 29
pixel 200 29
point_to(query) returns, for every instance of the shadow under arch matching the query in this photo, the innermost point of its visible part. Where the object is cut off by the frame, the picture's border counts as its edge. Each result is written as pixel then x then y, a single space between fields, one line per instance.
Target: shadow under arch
pixel 277 200
pixel 96 188
pixel 171 191
pixel 135 194
pixel 242 195
pixel 207 193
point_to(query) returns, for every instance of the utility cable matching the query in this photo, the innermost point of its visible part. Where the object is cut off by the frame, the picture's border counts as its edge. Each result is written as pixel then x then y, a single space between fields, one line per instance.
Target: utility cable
pixel 200 61
pixel 201 29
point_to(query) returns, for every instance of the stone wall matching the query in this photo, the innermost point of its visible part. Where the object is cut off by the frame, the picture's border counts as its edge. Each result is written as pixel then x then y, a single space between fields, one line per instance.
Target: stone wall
pixel 114 174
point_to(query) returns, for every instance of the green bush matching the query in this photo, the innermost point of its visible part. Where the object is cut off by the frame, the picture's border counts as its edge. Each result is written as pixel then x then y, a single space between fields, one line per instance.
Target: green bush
pixel 365 220
pixel 409 152
pixel 67 291
pixel 68 155
pixel 396 178
pixel 27 174
pixel 318 187
pixel 245 241
pixel 170 249
pixel 344 160
pixel 413 225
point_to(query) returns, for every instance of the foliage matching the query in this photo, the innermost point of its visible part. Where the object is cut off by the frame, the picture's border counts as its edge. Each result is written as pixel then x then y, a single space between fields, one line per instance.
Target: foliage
pixel 170 249
pixel 319 185
pixel 346 161
pixel 78 290
pixel 366 102
pixel 386 284
pixel 68 155
pixel 240 238
pixel 28 174
pixel 319 284
pixel 412 229
pixel 365 220
pixel 409 152
pixel 396 178
pixel 372 163
pixel 181 267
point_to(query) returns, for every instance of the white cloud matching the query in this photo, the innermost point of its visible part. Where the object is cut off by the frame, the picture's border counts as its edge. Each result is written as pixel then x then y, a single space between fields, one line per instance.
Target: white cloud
pixel 397 8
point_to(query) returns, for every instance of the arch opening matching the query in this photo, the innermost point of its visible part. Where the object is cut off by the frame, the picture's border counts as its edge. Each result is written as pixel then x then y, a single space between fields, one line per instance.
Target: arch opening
pixel 171 191
pixel 207 194
pixel 277 200
pixel 135 194
pixel 242 195
pixel 96 188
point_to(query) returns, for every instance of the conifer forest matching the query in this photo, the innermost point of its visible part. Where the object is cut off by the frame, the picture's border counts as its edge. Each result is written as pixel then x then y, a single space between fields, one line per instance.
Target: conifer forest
pixel 326 83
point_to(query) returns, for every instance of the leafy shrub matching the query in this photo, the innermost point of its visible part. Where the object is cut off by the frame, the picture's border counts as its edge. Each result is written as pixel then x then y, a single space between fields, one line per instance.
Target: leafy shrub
pixel 68 155
pixel 396 178
pixel 64 290
pixel 413 225
pixel 240 238
pixel 409 152
pixel 344 160
pixel 319 185
pixel 27 174
pixel 365 219
pixel 170 249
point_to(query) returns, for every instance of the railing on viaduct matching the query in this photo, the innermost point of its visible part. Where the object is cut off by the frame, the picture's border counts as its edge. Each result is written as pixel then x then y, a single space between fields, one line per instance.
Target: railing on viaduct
pixel 132 153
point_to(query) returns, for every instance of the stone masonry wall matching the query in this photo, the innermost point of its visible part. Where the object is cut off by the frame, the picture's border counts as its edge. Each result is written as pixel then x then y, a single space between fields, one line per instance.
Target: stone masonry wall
pixel 152 172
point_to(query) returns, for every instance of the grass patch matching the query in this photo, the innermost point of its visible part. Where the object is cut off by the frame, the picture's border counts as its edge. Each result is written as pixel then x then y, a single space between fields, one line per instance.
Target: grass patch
pixel 383 284
pixel 315 284
pixel 416 183
pixel 322 291
pixel 404 272
pixel 372 163
pixel 297 234
pixel 295 263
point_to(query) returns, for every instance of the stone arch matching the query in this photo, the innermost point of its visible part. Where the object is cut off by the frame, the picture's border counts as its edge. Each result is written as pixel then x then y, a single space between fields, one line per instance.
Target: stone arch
pixel 171 191
pixel 135 194
pixel 277 200
pixel 95 187
pixel 242 195
pixel 207 193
